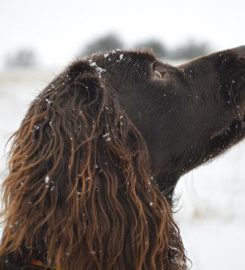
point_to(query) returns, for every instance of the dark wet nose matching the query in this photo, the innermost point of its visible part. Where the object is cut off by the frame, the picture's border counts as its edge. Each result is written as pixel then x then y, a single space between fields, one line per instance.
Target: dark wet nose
pixel 240 51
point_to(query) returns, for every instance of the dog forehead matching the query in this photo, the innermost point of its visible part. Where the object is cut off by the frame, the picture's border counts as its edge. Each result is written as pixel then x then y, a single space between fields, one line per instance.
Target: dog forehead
pixel 122 56
pixel 116 65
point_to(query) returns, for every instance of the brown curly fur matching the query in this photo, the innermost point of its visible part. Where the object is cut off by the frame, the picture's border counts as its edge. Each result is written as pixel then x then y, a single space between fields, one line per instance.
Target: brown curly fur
pixel 79 193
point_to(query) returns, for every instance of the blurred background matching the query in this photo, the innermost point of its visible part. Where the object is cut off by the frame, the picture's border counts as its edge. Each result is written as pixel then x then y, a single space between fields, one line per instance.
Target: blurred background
pixel 39 38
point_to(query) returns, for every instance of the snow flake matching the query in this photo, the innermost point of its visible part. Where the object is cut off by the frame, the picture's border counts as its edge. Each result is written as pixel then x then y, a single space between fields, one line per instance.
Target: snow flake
pixel 93 64
pixel 100 70
pixel 115 51
pixel 48 101
pixel 47 179
pixel 107 136
pixel 36 127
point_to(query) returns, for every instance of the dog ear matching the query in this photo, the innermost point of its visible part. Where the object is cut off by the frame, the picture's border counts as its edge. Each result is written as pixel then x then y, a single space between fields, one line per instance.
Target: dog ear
pixel 79 189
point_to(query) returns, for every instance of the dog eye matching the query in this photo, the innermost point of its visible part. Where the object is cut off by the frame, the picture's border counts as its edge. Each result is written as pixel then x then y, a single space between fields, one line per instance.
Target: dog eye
pixel 157 75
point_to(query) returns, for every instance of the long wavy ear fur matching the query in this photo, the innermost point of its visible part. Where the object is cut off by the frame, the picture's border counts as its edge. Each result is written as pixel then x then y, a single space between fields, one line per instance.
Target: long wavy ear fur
pixel 79 193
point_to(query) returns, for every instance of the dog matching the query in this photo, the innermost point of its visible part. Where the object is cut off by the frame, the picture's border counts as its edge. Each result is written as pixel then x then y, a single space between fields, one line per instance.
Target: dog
pixel 94 164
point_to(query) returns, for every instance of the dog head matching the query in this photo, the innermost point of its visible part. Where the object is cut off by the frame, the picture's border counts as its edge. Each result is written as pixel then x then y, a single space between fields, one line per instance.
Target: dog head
pixel 96 145
pixel 187 114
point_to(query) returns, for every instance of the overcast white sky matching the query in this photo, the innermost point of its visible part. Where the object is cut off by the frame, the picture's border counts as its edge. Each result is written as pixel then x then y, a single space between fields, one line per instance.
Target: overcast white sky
pixel 58 29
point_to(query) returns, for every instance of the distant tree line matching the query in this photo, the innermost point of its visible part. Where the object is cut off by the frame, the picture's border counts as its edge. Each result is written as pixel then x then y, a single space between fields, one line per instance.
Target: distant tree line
pixel 188 50
pixel 25 58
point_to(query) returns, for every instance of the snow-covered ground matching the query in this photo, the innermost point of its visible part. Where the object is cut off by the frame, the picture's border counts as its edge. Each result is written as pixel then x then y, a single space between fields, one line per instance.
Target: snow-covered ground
pixel 211 212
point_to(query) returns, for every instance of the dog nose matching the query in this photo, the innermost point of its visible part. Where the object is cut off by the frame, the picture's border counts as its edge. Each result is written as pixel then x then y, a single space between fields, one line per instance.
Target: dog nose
pixel 240 51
